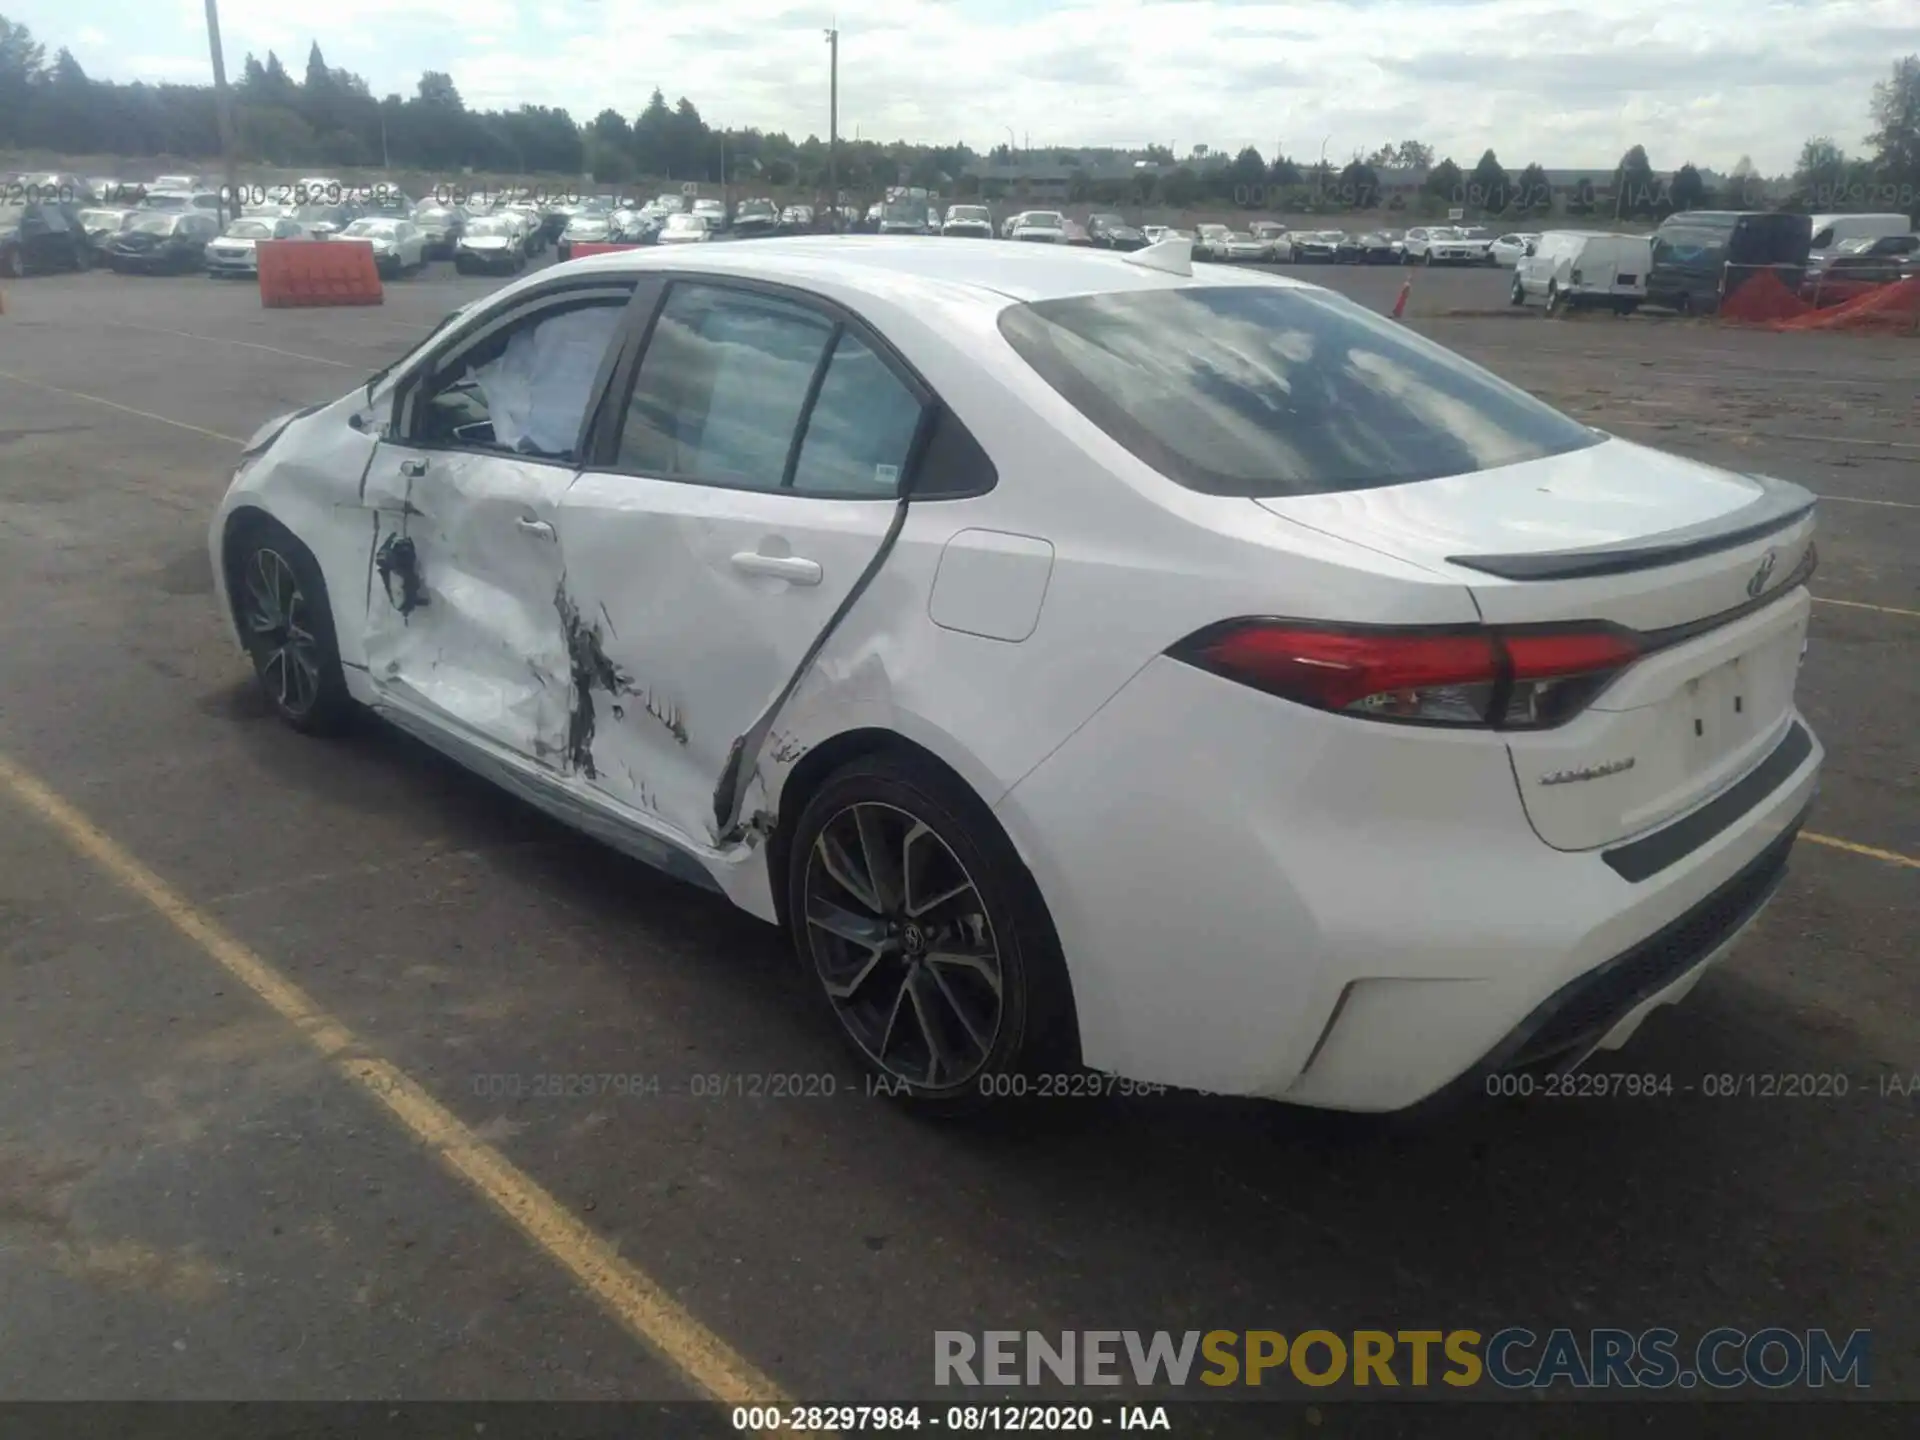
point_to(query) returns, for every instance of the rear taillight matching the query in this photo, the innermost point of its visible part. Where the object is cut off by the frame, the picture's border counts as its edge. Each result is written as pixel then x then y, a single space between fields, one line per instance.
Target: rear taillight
pixel 1525 678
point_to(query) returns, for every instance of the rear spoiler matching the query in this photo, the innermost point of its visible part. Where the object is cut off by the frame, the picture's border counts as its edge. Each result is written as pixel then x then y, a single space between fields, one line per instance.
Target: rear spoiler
pixel 1779 504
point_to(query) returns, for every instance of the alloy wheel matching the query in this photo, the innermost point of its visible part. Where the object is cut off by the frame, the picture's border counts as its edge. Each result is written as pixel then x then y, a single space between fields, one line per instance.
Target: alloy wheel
pixel 903 945
pixel 285 649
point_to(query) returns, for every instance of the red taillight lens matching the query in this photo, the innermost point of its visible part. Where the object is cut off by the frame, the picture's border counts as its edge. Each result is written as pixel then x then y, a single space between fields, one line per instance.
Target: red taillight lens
pixel 1507 679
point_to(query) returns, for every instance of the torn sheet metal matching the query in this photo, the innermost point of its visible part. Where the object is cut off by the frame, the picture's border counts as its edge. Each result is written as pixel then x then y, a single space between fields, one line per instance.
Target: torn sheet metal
pixel 460 619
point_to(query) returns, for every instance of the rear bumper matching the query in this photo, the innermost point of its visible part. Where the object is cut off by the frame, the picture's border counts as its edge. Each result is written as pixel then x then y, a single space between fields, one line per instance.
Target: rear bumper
pixel 1256 898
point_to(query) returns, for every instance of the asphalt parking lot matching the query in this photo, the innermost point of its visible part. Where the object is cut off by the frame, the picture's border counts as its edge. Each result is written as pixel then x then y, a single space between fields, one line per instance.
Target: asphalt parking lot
pixel 213 1187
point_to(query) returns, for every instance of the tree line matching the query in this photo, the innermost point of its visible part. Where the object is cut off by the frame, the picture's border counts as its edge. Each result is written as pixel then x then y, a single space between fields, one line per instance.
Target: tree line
pixel 331 117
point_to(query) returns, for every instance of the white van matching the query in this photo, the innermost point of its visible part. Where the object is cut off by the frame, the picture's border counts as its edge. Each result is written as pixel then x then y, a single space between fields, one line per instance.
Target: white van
pixel 1582 269
pixel 1829 231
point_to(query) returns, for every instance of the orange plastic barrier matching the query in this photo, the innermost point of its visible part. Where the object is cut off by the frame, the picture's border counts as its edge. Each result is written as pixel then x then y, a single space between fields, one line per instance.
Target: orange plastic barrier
pixel 595 247
pixel 317 272
pixel 1894 308
pixel 1763 301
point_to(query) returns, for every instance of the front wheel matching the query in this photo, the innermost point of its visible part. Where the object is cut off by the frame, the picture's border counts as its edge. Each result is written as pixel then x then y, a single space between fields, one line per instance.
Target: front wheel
pixel 926 937
pixel 11 265
pixel 1556 302
pixel 1519 295
pixel 280 602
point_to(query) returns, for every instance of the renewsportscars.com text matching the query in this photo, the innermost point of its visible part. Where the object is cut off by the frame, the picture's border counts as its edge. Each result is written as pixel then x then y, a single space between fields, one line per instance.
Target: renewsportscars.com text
pixel 1514 1358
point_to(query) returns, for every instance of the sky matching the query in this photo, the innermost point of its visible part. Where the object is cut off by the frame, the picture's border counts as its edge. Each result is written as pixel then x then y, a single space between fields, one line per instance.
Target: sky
pixel 1707 81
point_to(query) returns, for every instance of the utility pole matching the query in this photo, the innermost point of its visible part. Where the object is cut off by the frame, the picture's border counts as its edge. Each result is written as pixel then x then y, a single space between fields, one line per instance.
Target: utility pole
pixel 223 106
pixel 833 126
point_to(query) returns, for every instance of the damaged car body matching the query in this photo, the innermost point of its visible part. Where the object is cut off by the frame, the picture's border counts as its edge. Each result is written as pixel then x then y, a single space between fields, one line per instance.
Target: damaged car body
pixel 1087 658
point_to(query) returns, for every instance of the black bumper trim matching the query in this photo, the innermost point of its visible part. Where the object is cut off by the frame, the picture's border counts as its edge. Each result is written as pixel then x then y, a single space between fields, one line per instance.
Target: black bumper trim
pixel 1569 1022
pixel 1649 856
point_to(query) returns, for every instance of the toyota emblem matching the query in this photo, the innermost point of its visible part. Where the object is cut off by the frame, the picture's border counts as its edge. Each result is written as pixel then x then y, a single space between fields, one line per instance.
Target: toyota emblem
pixel 1761 576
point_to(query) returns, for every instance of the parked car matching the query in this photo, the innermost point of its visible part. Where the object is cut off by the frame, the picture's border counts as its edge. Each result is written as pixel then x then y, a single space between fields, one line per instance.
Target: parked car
pixel 685 229
pixel 1317 246
pixel 1371 248
pixel 492 244
pixel 1880 260
pixel 1010 224
pixel 1210 241
pixel 1443 245
pixel 532 226
pixel 1584 270
pixel 321 221
pixel 398 246
pixel 1830 232
pixel 714 213
pixel 163 242
pixel 1273 235
pixel 755 218
pixel 1507 249
pixel 584 228
pixel 112 193
pixel 232 252
pixel 797 218
pixel 1374 746
pixel 969 221
pixel 440 229
pixel 42 236
pixel 1043 227
pixel 1480 239
pixel 101 225
pixel 1242 247
pixel 177 182
pixel 203 202
pixel 1699 256
pixel 1835 235
pixel 1111 232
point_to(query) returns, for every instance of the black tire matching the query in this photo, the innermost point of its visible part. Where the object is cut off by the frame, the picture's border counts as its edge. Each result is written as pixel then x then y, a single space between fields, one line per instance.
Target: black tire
pixel 882 801
pixel 1519 295
pixel 1554 298
pixel 11 265
pixel 302 682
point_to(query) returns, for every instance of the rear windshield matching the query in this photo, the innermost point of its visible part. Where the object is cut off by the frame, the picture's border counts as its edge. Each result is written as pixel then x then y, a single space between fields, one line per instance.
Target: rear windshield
pixel 1264 390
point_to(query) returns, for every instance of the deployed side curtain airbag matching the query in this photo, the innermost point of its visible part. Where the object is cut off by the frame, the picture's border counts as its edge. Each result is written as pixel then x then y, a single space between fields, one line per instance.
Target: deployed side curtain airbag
pixel 537 390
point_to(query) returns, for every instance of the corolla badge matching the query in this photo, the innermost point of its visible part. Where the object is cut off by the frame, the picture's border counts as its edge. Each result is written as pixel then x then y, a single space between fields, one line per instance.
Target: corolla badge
pixel 1590 772
pixel 1758 581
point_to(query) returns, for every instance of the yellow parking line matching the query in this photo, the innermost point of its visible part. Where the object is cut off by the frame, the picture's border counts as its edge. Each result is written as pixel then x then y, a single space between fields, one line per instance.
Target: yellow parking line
pixel 636 1300
pixel 116 405
pixel 226 340
pixel 1862 605
pixel 1892 857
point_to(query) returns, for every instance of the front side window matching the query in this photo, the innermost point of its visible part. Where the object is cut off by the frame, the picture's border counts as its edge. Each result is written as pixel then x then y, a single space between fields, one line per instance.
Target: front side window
pixel 722 387
pixel 1259 390
pixel 524 390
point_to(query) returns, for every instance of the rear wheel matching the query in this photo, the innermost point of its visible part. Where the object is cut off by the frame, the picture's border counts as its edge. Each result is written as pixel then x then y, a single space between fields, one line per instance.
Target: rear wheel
pixel 1556 302
pixel 926 936
pixel 1519 295
pixel 286 622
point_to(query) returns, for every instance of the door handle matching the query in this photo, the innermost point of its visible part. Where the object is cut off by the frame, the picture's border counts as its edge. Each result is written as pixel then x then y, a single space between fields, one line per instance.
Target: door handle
pixel 781 567
pixel 413 469
pixel 535 527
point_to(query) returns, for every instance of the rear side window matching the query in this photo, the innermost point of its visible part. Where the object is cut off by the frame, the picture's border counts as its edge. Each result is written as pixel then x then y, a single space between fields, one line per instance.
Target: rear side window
pixel 860 428
pixel 722 386
pixel 1257 390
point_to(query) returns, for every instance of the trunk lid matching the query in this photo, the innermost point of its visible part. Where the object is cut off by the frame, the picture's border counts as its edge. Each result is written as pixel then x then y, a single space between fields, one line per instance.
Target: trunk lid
pixel 1707 566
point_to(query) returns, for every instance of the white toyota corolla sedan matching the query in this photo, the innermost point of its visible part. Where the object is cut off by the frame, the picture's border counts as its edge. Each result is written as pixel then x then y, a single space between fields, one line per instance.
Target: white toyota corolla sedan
pixel 1090 659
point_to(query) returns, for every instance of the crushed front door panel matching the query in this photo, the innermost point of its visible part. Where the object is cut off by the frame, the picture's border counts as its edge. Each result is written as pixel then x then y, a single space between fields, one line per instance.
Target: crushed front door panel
pixel 466 566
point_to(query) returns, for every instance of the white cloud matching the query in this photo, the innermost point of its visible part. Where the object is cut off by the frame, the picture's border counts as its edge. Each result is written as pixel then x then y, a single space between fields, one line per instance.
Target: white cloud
pixel 1535 79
